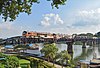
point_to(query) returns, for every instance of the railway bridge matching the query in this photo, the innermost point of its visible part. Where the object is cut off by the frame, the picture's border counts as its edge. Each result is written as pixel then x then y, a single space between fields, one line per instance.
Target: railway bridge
pixel 68 41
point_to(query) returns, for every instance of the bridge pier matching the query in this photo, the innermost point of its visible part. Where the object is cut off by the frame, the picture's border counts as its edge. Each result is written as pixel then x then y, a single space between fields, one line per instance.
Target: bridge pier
pixel 94 43
pixel 84 44
pixel 70 46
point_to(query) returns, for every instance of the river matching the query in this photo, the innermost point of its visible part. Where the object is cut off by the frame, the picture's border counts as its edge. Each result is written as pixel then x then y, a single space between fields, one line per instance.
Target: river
pixel 79 52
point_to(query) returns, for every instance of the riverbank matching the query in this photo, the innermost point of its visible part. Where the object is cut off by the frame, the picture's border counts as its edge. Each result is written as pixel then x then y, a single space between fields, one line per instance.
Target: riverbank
pixel 40 61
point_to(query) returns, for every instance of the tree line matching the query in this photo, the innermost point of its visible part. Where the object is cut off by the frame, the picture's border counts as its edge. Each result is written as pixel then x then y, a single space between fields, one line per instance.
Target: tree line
pixel 90 35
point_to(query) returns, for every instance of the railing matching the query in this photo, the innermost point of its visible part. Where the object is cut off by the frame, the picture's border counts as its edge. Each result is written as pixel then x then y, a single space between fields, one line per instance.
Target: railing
pixel 43 40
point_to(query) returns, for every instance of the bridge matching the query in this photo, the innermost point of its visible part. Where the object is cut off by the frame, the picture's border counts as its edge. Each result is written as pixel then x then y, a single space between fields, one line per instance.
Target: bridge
pixel 68 41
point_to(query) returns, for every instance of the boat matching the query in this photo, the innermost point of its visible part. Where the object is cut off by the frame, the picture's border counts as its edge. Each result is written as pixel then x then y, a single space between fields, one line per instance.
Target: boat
pixel 95 63
pixel 33 47
pixel 83 64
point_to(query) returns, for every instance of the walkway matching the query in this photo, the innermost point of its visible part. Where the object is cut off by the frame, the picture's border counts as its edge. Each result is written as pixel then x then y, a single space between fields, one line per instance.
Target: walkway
pixel 34 56
pixel 56 65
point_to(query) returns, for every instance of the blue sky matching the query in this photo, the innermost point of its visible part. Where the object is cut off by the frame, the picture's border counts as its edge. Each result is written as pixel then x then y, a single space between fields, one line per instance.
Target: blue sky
pixel 77 16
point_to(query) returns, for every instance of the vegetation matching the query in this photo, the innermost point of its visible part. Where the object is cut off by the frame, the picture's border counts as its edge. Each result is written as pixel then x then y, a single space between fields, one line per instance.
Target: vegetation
pixel 13 62
pixel 49 51
pixel 89 35
pixel 1 41
pixel 12 8
pixel 38 63
pixel 97 34
pixel 21 47
pixel 9 61
pixel 63 57
pixel 24 63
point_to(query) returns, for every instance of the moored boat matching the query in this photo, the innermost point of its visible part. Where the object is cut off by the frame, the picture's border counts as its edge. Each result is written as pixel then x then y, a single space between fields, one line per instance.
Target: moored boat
pixel 95 63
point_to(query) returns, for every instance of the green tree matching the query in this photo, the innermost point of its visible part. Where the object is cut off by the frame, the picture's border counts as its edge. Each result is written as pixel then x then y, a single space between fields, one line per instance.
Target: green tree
pixel 49 51
pixel 11 8
pixel 63 56
pixel 1 65
pixel 21 47
pixel 82 34
pixel 89 35
pixel 97 34
pixel 9 61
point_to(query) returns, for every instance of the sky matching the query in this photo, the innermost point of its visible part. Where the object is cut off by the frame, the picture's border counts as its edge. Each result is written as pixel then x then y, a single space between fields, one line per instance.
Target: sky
pixel 77 16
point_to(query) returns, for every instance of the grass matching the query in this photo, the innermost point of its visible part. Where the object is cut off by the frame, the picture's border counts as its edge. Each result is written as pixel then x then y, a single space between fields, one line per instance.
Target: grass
pixel 24 63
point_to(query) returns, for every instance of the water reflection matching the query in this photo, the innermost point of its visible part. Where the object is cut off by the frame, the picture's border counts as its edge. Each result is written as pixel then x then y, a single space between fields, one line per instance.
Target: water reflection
pixel 79 52
pixel 61 47
pixel 87 53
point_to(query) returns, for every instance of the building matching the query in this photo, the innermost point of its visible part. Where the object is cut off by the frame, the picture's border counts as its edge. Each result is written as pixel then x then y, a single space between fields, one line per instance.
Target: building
pixel 32 34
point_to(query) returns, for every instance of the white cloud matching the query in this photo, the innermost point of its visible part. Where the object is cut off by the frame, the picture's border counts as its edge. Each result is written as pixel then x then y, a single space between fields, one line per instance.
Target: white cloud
pixel 57 19
pixel 84 18
pixel 91 17
pixel 82 21
pixel 45 22
pixel 85 21
pixel 51 19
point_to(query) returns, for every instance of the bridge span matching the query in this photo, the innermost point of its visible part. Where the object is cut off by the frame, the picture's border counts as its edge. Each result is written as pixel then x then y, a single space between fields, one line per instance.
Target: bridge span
pixel 69 41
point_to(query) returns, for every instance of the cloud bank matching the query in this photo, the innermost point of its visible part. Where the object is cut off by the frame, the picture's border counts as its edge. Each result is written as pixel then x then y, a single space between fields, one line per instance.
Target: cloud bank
pixel 82 21
pixel 88 17
pixel 51 19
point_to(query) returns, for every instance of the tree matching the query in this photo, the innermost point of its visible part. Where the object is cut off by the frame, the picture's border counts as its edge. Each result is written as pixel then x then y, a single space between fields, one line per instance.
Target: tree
pixel 64 57
pixel 1 65
pixel 49 51
pixel 9 61
pixel 1 40
pixel 11 8
pixel 97 34
pixel 21 47
pixel 90 35
pixel 82 34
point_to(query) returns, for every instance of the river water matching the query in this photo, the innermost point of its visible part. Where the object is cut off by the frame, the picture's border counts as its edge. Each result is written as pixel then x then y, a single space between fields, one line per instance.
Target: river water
pixel 79 52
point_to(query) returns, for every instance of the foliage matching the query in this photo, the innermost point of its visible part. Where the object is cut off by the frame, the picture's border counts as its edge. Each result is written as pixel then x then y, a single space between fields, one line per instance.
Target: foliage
pixel 1 65
pixel 12 62
pixel 21 47
pixel 97 34
pixel 2 55
pixel 24 63
pixel 38 63
pixel 63 56
pixel 88 35
pixel 1 39
pixel 12 8
pixel 49 51
pixel 55 3
pixel 9 61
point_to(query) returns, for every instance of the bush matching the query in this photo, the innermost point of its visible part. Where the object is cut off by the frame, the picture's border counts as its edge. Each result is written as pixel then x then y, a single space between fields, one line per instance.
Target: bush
pixel 9 61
